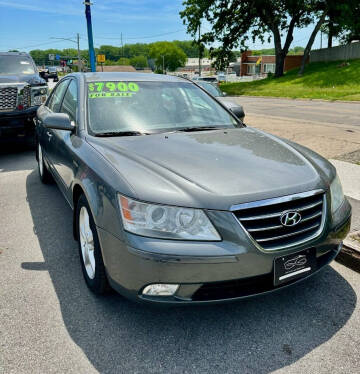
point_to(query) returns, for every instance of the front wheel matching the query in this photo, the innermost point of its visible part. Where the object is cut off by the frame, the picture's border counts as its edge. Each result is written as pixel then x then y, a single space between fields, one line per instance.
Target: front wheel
pixel 44 173
pixel 89 247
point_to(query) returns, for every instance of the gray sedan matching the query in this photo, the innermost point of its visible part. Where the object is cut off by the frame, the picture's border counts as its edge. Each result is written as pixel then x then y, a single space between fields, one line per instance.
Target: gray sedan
pixel 175 200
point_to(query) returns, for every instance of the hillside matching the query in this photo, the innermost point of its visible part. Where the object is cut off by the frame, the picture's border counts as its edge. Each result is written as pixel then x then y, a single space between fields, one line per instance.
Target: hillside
pixel 329 81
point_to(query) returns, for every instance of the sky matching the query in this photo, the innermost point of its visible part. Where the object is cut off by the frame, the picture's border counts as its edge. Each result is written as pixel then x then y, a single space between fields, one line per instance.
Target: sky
pixel 32 24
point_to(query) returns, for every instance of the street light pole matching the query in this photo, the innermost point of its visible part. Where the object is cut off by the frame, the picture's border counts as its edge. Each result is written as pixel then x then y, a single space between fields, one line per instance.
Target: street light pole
pixel 90 36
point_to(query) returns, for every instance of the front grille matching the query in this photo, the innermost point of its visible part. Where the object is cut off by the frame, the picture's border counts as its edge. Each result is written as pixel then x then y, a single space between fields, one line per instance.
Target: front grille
pixel 262 219
pixel 26 97
pixel 8 98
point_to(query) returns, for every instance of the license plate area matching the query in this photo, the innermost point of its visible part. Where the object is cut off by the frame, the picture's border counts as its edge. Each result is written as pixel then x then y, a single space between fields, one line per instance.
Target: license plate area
pixel 297 265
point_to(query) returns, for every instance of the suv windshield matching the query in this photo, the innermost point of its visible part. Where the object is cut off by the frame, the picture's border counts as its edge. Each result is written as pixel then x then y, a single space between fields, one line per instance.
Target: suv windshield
pixel 16 65
pixel 152 107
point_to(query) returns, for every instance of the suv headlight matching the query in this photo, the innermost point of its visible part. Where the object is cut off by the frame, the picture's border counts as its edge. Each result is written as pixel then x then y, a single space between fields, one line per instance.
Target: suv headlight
pixel 337 195
pixel 166 222
pixel 38 95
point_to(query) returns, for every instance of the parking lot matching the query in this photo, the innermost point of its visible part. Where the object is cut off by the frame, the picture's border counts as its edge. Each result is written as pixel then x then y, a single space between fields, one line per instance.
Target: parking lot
pixel 50 322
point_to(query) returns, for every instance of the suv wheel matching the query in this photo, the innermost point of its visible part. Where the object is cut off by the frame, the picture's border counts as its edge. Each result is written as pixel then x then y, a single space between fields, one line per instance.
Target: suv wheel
pixel 92 263
pixel 44 173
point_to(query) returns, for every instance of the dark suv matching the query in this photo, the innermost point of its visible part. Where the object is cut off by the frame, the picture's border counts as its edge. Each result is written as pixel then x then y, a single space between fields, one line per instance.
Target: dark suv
pixel 22 90
pixel 51 72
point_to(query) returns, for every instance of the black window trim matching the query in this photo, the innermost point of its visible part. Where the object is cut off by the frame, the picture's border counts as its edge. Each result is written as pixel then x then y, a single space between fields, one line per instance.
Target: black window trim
pixel 77 94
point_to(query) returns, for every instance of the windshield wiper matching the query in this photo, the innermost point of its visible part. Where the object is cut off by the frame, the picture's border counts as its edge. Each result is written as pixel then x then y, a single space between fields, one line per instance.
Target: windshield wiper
pixel 200 128
pixel 120 133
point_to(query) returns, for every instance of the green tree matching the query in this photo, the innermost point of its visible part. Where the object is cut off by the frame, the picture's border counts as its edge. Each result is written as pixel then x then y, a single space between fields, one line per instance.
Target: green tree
pixel 139 62
pixel 123 61
pixel 167 54
pixel 234 22
pixel 111 53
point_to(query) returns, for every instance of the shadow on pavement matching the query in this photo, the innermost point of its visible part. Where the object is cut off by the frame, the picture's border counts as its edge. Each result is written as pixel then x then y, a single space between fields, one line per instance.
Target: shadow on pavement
pixel 257 335
pixel 12 157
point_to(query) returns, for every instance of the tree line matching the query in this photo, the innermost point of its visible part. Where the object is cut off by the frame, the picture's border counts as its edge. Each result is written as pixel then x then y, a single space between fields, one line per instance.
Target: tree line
pixel 234 22
pixel 158 55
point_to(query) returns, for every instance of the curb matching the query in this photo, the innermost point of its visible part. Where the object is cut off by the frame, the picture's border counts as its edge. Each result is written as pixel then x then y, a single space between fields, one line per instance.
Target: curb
pixel 349 258
pixel 350 253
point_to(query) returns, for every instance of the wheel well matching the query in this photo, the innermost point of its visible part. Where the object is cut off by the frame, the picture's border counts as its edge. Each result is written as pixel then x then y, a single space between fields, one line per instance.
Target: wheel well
pixel 77 192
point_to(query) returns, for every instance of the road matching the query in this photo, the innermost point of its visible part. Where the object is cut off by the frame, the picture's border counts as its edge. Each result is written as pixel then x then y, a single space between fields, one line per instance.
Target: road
pixel 330 128
pixel 336 113
pixel 51 323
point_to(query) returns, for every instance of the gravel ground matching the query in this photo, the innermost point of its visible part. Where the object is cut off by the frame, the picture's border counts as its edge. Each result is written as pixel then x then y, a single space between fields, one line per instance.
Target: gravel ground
pixel 51 323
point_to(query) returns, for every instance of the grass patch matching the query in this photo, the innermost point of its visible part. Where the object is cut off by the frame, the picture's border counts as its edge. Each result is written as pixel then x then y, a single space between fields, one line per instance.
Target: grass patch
pixel 322 80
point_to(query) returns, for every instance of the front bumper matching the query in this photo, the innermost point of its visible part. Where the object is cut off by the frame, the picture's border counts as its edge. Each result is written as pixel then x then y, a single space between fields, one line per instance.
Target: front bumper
pixel 207 272
pixel 17 125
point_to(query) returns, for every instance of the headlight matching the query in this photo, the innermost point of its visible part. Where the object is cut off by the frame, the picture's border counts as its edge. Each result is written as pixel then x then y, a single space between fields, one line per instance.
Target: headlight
pixel 38 95
pixel 337 195
pixel 167 222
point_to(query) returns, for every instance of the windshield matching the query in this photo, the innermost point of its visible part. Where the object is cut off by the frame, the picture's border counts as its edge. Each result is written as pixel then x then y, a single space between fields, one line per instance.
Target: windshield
pixel 211 89
pixel 152 107
pixel 16 65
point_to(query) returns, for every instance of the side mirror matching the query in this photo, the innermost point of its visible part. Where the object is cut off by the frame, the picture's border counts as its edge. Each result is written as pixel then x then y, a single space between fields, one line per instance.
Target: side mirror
pixel 58 121
pixel 238 111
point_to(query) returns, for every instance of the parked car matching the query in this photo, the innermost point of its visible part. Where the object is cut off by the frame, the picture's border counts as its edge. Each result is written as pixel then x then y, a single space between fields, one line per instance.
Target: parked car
pixel 52 72
pixel 22 90
pixel 175 200
pixel 214 90
pixel 198 78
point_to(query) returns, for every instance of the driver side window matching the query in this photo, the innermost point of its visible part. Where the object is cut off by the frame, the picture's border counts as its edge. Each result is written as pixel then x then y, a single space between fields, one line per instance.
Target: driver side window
pixel 54 103
pixel 69 104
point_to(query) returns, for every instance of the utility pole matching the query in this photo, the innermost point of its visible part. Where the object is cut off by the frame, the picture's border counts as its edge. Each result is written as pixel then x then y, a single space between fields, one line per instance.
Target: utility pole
pixel 163 56
pixel 78 53
pixel 90 35
pixel 199 50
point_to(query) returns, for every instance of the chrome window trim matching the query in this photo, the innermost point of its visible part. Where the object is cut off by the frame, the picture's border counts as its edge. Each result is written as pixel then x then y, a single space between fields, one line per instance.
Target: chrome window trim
pixel 260 203
pixel 275 200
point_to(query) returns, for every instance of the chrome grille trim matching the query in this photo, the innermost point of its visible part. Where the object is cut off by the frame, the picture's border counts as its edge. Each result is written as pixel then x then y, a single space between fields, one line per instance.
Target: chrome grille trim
pixel 288 235
pixel 265 230
pixel 8 98
pixel 278 214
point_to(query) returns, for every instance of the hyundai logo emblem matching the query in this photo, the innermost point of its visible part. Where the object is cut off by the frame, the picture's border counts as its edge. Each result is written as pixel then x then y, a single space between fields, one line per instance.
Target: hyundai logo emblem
pixel 290 218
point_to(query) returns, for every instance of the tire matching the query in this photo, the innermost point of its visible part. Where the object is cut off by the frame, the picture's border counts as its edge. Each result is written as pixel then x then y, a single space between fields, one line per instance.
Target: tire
pixel 92 263
pixel 44 173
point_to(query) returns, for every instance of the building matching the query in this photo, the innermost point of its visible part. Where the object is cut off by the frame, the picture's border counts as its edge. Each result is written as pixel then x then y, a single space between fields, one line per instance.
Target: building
pixel 262 65
pixel 192 66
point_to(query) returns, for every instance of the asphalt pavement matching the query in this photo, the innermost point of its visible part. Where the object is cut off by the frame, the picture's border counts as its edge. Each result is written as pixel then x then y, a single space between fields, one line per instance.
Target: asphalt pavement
pixel 51 323
pixel 329 112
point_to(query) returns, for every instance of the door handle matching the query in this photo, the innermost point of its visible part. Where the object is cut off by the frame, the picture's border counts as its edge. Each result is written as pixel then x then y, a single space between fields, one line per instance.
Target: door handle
pixel 49 134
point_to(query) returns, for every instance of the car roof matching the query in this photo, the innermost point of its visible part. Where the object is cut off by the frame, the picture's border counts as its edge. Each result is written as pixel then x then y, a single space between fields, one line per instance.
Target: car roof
pixel 143 77
pixel 14 54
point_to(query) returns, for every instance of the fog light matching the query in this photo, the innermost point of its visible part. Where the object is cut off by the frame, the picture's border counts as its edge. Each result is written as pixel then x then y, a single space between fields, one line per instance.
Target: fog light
pixel 160 289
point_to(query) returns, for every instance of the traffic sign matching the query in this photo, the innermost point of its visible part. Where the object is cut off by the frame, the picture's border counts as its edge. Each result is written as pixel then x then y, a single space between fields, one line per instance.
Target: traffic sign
pixel 100 58
pixel 51 56
pixel 57 57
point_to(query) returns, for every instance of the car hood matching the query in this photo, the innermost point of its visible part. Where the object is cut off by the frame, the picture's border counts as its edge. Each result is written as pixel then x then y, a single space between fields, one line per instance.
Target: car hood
pixel 31 79
pixel 210 169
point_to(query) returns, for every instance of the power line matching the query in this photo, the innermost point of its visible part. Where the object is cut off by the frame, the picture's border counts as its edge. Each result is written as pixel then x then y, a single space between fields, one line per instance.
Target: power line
pixel 139 37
